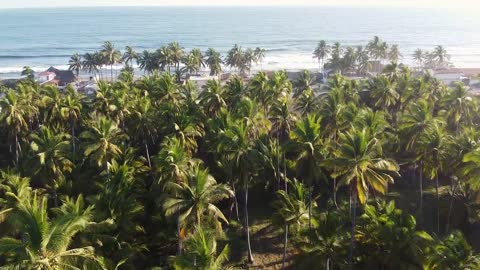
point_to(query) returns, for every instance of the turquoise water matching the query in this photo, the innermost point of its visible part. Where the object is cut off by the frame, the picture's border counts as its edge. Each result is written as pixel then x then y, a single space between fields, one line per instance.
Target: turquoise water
pixel 44 37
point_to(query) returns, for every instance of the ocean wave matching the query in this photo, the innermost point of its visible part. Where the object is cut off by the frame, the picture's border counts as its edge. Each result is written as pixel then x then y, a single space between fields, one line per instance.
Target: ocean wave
pixel 33 56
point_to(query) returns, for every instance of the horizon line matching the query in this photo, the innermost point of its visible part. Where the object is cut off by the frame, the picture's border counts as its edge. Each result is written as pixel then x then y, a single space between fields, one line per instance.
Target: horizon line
pixel 285 5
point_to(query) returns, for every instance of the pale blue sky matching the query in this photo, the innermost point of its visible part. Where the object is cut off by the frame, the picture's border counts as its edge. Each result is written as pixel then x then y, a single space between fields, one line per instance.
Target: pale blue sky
pixel 67 3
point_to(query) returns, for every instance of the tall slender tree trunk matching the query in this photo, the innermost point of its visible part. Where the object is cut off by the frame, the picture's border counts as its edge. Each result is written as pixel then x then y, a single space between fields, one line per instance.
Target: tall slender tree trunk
pixel 179 231
pixel 16 149
pixel 285 243
pixel 148 155
pixel 235 201
pixel 450 208
pixel 352 237
pixel 247 227
pixel 420 171
pixel 438 203
pixel 72 123
pixel 310 190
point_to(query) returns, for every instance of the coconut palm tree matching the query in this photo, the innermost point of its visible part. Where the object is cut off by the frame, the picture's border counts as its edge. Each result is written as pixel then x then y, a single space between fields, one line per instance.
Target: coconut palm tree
pixel 235 57
pixel 102 141
pixel 361 165
pixel 453 252
pixel 43 242
pixel 201 253
pixel 129 55
pixel 419 57
pixel 28 72
pixel 148 61
pixel 433 149
pixel 321 53
pixel 439 57
pixel 394 55
pixel 459 106
pixel 50 151
pixel 389 238
pixel 75 63
pixel 292 211
pixel 195 197
pixel 112 56
pixel 213 97
pixel 259 55
pixel 71 111
pixel 173 162
pixel 238 145
pixel 90 63
pixel 306 139
pixel 176 54
pixel 214 61
pixel 14 116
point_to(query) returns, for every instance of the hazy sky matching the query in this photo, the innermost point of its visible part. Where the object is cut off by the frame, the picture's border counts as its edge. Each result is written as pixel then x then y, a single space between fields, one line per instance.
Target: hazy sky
pixel 68 3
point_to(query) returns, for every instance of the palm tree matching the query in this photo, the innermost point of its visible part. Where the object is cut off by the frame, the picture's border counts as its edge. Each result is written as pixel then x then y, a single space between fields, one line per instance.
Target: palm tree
pixel 102 141
pixel 176 53
pixel 413 124
pixel 212 97
pixel 453 252
pixel 112 56
pixel 389 238
pixel 360 164
pixel 194 61
pixel 303 83
pixel 42 242
pixel 213 61
pixel 196 196
pixel 173 162
pixel 321 53
pixel 419 57
pixel 292 211
pixel 433 150
pixel 307 141
pixel 394 55
pixel 28 72
pixel 148 61
pixel 129 55
pixel 259 55
pixel 201 253
pixel 235 57
pixel 459 106
pixel 50 150
pixel 439 57
pixel 90 63
pixel 383 92
pixel 15 116
pixel 75 63
pixel 237 142
pixel 71 110
pixel 143 126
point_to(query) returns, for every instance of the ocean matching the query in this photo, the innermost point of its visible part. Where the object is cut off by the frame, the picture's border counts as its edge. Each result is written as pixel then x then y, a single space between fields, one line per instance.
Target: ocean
pixel 40 38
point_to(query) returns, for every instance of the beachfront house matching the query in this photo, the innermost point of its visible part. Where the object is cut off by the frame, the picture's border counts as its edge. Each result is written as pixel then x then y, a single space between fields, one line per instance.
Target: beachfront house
pixel 56 77
pixel 46 77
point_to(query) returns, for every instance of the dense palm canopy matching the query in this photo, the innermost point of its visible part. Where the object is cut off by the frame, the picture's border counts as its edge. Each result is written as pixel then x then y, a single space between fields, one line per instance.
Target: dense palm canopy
pixel 155 171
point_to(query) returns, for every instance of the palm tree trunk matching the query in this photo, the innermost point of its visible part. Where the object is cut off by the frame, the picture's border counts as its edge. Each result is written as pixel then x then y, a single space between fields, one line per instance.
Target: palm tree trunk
pixel 310 190
pixel 179 231
pixel 420 171
pixel 73 138
pixel 235 201
pixel 450 208
pixel 148 155
pixel 285 243
pixel 352 237
pixel 247 228
pixel 16 149
pixel 438 203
